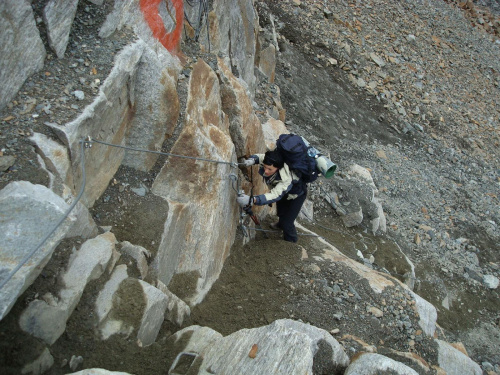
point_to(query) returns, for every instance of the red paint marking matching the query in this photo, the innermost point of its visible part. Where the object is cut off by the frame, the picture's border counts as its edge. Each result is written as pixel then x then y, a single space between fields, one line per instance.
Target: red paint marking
pixel 171 41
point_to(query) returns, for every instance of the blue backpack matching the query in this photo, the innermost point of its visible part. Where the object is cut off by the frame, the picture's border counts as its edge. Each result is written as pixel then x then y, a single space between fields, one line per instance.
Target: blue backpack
pixel 294 152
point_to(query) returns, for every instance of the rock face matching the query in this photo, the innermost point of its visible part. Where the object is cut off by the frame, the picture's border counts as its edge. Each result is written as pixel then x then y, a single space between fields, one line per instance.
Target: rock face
pixel 156 107
pixel 107 119
pixel 232 33
pixel 22 204
pixel 58 16
pixel 201 222
pixel 21 50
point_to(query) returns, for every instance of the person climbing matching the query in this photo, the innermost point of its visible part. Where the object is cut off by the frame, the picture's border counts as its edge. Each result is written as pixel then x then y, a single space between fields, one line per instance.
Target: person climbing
pixel 286 189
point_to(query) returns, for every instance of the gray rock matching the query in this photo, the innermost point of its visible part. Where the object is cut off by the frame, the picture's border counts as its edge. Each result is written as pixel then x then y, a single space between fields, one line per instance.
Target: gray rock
pixel 116 100
pixel 58 16
pixel 48 322
pixel 373 364
pixel 156 107
pixel 98 371
pixel 138 253
pixel 454 362
pixel 6 162
pixel 177 309
pixel 283 347
pixel 491 281
pixel 80 95
pixel 22 204
pixel 40 364
pixel 203 198
pixel 21 50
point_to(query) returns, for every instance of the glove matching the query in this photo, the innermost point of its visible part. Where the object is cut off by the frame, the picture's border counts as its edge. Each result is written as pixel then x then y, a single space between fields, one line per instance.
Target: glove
pixel 249 162
pixel 243 200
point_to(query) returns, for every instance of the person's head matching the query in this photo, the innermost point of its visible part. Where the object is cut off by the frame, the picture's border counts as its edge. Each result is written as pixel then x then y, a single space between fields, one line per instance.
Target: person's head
pixel 272 162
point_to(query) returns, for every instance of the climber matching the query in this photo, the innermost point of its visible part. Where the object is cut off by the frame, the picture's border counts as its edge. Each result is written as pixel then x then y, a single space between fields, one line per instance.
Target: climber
pixel 286 189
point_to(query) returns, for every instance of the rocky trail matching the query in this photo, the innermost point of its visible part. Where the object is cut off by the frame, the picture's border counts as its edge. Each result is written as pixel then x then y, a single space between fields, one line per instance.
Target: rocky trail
pixel 399 253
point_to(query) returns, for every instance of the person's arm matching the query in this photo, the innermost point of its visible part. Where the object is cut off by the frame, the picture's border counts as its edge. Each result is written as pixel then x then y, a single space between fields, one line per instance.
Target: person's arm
pixel 277 192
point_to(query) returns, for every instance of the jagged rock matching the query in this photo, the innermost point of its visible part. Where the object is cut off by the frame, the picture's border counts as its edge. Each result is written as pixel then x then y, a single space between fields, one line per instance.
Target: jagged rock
pixel 58 16
pixel 48 322
pixel 39 365
pixel 156 107
pixel 232 33
pixel 202 216
pixel 454 362
pixel 283 347
pixel 359 199
pixel 373 364
pixel 177 309
pixel 245 128
pixel 267 62
pixel 154 313
pixel 54 155
pixel 272 129
pixel 138 253
pixel 22 204
pixel 307 211
pixel 56 160
pixel 21 50
pixel 106 119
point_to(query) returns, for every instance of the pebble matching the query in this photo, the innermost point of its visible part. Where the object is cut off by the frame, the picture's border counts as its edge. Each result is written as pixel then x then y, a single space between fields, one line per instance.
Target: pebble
pixel 80 95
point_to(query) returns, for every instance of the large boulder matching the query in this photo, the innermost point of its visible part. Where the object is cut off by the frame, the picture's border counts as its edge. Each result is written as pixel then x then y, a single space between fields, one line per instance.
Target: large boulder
pixel 22 204
pixel 107 119
pixel 454 362
pixel 202 215
pixel 21 50
pixel 283 347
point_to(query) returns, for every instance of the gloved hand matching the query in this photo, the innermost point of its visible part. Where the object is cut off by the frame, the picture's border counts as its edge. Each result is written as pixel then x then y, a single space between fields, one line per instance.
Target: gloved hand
pixel 243 200
pixel 249 162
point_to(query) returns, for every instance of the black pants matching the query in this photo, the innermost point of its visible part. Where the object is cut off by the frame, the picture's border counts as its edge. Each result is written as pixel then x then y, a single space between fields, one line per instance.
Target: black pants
pixel 288 210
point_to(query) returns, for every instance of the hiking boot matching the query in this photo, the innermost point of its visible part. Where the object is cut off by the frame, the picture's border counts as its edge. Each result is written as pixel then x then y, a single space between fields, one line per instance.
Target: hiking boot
pixel 275 225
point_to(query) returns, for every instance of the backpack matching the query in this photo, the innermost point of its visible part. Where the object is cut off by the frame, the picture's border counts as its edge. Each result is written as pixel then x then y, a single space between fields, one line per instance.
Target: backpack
pixel 294 151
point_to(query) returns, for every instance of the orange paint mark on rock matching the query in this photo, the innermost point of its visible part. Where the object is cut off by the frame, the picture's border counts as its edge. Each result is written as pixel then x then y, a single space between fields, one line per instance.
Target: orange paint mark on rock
pixel 170 40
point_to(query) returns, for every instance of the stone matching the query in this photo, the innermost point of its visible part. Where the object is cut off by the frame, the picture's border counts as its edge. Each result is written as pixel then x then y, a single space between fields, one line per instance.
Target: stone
pixel 427 313
pixel 6 162
pixel 58 16
pixel 307 211
pixel 272 129
pixel 267 62
pixel 154 314
pixel 139 254
pixel 374 311
pixel 233 31
pixel 79 94
pixel 353 218
pixel 156 107
pixel 373 364
pixel 41 364
pixel 21 49
pixel 54 154
pixel 177 309
pixel 22 204
pixel 377 59
pixel 115 100
pixel 98 371
pixel 284 347
pixel 454 362
pixel 490 281
pixel 48 322
pixel 202 214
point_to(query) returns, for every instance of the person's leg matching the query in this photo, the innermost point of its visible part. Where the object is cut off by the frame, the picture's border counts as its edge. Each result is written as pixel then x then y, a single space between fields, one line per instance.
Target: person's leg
pixel 288 210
